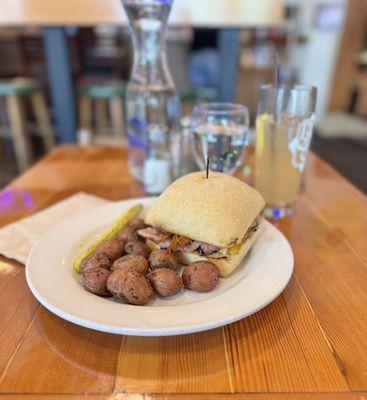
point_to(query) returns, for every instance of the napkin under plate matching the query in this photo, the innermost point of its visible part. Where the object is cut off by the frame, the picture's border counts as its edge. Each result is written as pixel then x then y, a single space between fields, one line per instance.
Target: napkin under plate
pixel 18 238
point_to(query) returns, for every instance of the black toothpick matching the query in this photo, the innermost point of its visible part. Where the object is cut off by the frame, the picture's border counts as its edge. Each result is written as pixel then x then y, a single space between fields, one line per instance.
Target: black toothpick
pixel 207 167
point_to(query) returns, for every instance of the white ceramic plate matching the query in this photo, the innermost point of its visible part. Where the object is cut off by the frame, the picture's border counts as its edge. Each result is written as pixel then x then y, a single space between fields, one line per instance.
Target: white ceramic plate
pixel 260 279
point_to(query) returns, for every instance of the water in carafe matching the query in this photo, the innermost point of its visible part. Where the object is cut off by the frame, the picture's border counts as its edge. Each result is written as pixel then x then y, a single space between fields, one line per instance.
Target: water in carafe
pixel 152 107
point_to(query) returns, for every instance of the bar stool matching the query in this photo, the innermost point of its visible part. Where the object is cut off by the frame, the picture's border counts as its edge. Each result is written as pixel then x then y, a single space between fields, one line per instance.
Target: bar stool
pixel 14 91
pixel 189 98
pixel 106 100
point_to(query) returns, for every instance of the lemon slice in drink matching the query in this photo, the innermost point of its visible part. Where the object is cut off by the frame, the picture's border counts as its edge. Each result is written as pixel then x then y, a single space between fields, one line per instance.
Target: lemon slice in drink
pixel 262 131
pixel 124 218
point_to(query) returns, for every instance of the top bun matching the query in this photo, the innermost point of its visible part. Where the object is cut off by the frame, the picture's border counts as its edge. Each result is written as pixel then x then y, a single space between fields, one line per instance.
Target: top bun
pixel 217 210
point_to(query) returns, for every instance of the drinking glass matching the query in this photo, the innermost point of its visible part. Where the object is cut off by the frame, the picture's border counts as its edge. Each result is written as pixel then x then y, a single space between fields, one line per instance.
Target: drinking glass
pixel 220 133
pixel 284 126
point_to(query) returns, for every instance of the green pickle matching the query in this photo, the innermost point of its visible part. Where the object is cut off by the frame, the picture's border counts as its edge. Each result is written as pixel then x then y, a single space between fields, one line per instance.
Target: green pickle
pixel 124 218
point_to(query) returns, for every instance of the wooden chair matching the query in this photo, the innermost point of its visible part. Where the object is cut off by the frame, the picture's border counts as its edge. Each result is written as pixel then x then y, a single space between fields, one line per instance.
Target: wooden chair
pixel 106 100
pixel 14 91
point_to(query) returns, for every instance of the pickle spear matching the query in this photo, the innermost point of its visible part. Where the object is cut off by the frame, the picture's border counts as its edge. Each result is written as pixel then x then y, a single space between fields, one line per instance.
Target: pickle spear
pixel 124 218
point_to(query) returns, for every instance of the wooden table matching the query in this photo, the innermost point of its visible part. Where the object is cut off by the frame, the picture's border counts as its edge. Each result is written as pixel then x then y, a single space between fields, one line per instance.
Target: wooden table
pixel 310 343
pixel 206 13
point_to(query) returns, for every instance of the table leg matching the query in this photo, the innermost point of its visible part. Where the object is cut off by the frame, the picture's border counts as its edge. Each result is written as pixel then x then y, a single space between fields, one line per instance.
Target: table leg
pixel 117 116
pixel 43 121
pixel 61 83
pixel 86 113
pixel 101 116
pixel 228 45
pixel 22 147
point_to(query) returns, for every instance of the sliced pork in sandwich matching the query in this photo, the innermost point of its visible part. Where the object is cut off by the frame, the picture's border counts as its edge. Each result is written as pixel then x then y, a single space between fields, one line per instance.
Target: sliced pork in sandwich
pixel 215 219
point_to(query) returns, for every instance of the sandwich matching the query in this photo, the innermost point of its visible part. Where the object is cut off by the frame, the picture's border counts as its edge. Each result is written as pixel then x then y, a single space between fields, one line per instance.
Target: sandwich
pixel 214 219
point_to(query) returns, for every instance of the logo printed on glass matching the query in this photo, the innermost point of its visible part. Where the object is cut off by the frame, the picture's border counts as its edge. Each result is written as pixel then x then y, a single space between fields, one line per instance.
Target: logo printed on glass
pixel 301 143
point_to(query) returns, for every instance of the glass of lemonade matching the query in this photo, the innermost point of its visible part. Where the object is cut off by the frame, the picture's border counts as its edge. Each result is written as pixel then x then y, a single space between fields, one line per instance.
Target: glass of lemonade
pixel 284 126
pixel 220 133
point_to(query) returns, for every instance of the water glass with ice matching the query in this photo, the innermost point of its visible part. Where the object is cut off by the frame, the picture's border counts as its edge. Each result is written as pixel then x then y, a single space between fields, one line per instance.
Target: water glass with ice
pixel 220 133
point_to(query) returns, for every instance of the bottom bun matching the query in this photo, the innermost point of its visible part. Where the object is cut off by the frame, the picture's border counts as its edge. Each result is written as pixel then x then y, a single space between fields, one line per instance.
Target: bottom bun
pixel 225 265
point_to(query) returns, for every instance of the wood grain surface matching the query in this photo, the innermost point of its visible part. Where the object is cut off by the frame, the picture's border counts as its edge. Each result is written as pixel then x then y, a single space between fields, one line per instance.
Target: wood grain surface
pixel 310 343
pixel 236 13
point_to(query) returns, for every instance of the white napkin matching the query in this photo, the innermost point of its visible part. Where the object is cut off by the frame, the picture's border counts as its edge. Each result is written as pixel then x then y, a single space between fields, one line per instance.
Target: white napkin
pixel 17 239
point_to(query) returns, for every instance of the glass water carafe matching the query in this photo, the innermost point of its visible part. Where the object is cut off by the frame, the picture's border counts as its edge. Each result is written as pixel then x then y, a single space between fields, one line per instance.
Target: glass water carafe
pixel 152 107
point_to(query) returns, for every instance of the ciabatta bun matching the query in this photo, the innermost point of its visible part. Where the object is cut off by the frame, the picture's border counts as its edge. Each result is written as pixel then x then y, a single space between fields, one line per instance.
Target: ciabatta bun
pixel 217 210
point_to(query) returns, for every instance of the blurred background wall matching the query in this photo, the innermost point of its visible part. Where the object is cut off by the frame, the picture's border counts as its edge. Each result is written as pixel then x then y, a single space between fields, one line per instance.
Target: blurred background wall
pixel 316 58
